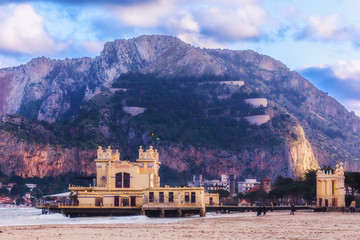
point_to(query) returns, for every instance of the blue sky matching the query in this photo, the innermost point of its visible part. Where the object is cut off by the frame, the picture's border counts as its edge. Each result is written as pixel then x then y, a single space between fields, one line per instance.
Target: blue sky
pixel 320 39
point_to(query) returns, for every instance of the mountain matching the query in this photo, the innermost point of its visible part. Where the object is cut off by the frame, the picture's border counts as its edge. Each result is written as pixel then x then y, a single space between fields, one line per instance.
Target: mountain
pixel 208 111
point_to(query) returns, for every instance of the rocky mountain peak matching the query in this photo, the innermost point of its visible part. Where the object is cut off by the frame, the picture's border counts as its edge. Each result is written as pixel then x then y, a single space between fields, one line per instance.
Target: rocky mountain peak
pixel 310 128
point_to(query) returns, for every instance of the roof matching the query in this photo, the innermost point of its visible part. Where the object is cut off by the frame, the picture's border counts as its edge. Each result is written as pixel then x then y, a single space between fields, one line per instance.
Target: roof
pixel 64 194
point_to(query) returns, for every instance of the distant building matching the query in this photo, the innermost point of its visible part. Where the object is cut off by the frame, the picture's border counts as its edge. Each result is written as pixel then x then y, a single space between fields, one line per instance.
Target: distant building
pixel 212 199
pixel 197 180
pixel 227 183
pixel 31 186
pixel 266 185
pixel 213 185
pixel 247 185
pixel 7 200
pixel 230 180
pixel 244 203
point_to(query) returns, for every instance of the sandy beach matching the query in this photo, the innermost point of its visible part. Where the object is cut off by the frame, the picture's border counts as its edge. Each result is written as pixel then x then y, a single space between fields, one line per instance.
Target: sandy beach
pixel 275 225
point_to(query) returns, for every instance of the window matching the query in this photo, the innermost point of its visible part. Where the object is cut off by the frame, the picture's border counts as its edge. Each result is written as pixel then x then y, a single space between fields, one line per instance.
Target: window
pixel 192 197
pixel 126 180
pixel 171 197
pixel 116 201
pixel 125 202
pixel 161 196
pixel 118 180
pixel 151 196
pixel 187 197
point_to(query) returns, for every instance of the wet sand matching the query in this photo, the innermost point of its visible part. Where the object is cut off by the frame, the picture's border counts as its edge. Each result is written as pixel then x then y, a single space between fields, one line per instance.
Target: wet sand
pixel 275 225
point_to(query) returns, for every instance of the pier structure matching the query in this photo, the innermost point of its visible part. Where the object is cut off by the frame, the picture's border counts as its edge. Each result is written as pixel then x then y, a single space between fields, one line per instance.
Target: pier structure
pixel 130 188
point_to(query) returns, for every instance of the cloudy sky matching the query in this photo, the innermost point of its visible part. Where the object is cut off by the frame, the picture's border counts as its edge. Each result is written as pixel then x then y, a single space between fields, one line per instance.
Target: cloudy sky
pixel 320 39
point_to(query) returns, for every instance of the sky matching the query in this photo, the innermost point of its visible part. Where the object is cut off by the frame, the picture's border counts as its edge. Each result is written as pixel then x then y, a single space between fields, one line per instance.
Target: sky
pixel 320 39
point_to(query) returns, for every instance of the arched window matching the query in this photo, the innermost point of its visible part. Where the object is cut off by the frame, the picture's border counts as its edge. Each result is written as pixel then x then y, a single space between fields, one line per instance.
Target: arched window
pixel 118 181
pixel 126 180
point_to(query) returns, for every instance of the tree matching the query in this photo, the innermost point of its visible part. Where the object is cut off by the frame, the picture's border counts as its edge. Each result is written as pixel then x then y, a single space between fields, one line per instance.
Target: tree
pixel 281 181
pixel 258 195
pixel 4 191
pixel 37 193
pixel 310 178
pixel 19 189
pixel 240 195
pixel 222 193
pixel 352 180
pixel 19 201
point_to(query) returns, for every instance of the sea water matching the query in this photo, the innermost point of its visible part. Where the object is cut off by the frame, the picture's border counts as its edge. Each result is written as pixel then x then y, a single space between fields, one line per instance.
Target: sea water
pixel 33 216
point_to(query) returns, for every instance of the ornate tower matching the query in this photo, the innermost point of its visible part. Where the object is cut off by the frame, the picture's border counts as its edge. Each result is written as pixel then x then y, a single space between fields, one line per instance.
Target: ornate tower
pixel 104 162
pixel 148 161
pixel 330 187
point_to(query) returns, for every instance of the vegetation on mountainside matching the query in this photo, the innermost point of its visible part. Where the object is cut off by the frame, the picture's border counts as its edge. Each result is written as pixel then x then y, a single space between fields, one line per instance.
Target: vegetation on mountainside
pixel 186 112
pixel 181 111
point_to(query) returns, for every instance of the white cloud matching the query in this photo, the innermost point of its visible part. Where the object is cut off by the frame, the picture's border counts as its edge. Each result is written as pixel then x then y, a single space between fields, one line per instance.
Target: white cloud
pixel 150 14
pixel 184 22
pixel 344 70
pixel 197 40
pixel 353 105
pixel 21 30
pixel 243 20
pixel 326 27
pixel 92 47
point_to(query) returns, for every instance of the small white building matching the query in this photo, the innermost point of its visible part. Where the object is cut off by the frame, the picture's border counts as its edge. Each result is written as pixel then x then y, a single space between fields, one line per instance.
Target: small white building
pixel 247 185
pixel 31 186
pixel 213 185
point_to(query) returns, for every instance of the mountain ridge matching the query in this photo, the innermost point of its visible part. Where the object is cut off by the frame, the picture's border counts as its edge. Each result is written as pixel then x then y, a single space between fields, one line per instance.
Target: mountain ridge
pixel 314 128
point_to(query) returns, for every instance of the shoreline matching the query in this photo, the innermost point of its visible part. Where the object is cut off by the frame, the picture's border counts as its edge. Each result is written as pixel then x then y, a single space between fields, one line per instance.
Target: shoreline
pixel 275 225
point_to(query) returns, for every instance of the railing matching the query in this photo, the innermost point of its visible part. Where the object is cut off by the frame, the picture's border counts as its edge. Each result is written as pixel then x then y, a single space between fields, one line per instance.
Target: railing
pixel 157 204
pixel 71 205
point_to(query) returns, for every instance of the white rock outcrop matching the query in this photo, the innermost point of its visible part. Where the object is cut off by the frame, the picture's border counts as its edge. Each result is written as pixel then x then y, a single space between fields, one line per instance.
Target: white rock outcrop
pixel 257 102
pixel 133 111
pixel 257 119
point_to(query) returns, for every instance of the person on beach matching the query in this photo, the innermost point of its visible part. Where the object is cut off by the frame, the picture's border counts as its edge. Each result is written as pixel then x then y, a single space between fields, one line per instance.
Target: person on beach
pixel 259 211
pixel 264 210
pixel 292 209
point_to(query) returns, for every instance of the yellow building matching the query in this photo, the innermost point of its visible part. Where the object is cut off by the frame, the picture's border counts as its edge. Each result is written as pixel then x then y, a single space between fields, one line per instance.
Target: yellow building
pixel 134 186
pixel 212 199
pixel 330 188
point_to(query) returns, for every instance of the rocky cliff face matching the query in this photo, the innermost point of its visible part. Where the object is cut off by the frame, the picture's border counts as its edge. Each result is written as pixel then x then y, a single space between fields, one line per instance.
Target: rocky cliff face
pixel 33 159
pixel 320 131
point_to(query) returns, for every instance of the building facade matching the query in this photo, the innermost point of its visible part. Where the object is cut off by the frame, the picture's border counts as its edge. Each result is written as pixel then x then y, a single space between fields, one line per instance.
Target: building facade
pixel 125 184
pixel 330 187
pixel 247 185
